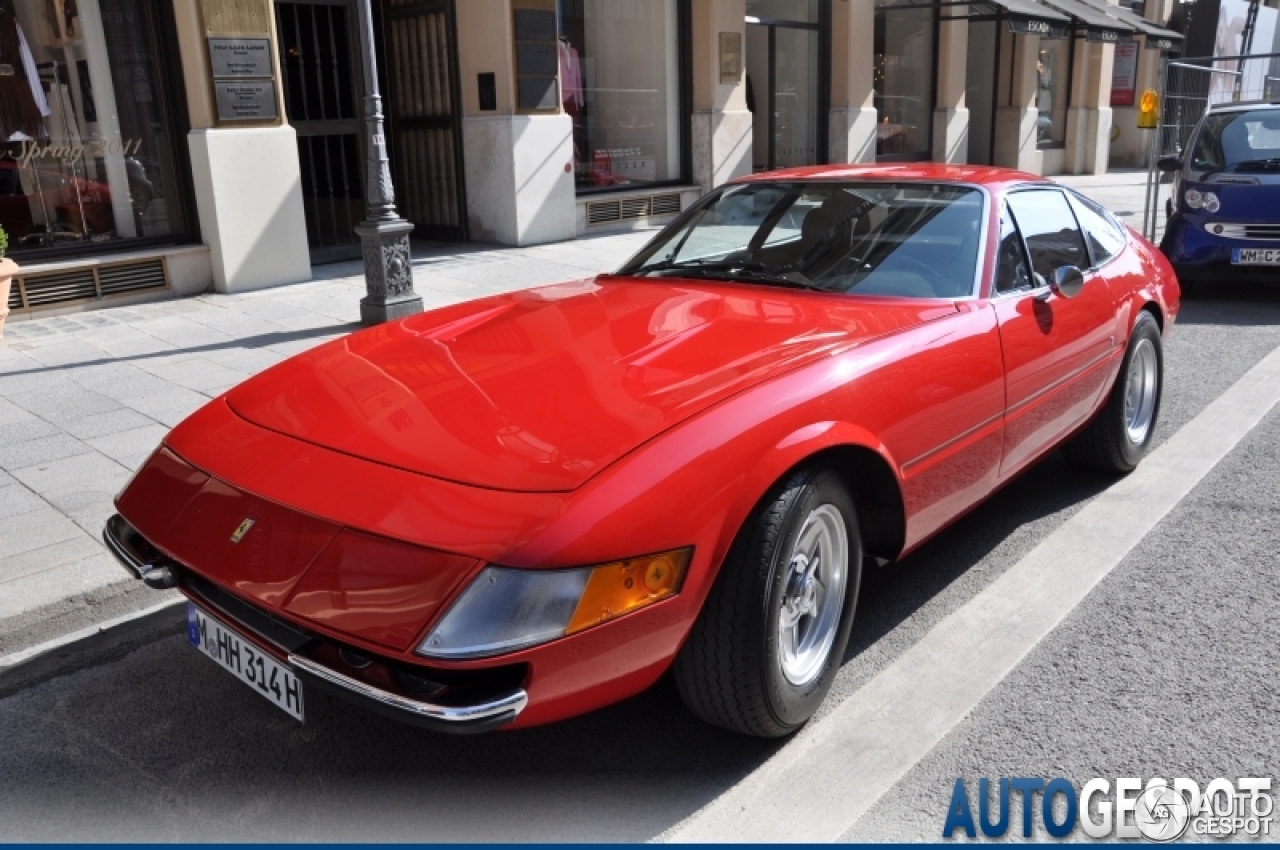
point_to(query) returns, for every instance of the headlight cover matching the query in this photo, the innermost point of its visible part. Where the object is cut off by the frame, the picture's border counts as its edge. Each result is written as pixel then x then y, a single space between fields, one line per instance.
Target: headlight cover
pixel 503 609
pixel 1194 199
pixel 1211 202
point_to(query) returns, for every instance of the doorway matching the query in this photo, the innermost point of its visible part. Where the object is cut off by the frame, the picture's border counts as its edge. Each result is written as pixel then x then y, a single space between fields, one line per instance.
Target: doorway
pixel 318 60
pixel 786 90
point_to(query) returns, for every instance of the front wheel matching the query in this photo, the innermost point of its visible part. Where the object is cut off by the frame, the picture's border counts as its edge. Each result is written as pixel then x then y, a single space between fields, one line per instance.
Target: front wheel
pixel 1119 435
pixel 775 625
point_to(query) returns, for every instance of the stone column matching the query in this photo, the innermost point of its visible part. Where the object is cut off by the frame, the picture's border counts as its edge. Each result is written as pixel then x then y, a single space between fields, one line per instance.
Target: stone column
pixel 1016 114
pixel 248 183
pixel 518 167
pixel 950 115
pixel 852 134
pixel 720 126
pixel 1089 115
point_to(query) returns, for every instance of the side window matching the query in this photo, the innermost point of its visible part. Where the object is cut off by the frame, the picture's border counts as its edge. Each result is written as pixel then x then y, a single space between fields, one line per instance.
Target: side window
pixel 1050 228
pixel 1012 271
pixel 1106 238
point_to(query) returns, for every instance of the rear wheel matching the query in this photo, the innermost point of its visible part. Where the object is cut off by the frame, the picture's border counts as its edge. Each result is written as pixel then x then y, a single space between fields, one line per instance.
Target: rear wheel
pixel 774 628
pixel 1119 435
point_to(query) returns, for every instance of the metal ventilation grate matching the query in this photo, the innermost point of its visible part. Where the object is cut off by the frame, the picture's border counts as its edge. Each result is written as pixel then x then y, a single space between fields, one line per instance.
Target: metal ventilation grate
pixel 629 209
pixel 666 204
pixel 92 282
pixel 57 288
pixel 132 277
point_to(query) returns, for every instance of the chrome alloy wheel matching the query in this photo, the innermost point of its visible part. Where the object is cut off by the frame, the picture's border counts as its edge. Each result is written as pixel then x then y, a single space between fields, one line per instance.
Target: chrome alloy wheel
pixel 1141 386
pixel 813 595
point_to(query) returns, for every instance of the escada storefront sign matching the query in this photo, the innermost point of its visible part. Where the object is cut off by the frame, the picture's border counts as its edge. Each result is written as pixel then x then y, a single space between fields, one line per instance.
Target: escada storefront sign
pixel 1036 26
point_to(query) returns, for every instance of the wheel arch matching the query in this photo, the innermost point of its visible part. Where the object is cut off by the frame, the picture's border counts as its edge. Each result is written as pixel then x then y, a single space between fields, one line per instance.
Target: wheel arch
pixel 866 471
pixel 876 493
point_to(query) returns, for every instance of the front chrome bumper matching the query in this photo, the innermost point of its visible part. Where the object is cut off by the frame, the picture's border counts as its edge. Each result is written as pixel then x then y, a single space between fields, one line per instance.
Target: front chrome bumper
pixel 471 718
pixel 138 557
pixel 145 562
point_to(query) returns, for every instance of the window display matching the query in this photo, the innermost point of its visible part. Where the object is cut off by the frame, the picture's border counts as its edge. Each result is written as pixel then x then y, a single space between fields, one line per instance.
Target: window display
pixel 1053 85
pixel 620 83
pixel 904 68
pixel 85 140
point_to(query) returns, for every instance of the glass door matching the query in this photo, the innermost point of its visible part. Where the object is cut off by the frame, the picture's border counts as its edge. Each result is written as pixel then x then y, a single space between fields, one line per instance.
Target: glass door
pixel 784 61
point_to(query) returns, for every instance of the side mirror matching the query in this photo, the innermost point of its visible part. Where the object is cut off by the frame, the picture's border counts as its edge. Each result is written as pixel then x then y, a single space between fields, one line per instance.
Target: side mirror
pixel 1169 163
pixel 1068 281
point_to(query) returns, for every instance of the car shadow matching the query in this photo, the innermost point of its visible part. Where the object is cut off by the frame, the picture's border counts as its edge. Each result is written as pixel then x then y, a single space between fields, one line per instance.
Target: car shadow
pixel 227 766
pixel 1231 302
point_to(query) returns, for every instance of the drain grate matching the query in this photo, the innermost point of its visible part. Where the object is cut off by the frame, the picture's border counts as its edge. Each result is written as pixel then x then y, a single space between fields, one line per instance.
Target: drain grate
pixel 87 284
pixel 629 209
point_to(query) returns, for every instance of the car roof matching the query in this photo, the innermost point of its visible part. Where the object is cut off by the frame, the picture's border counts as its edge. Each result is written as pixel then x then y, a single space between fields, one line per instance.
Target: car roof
pixel 982 175
pixel 1244 105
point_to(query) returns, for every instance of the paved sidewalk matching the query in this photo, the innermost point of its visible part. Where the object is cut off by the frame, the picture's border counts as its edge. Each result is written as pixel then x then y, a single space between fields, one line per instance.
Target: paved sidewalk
pixel 85 398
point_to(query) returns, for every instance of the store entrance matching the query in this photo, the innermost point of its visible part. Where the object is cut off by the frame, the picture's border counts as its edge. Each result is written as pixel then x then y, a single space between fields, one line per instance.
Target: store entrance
pixel 321 85
pixel 783 91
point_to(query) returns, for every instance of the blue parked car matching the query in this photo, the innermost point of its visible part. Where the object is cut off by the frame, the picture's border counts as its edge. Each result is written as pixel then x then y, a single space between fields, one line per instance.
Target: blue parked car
pixel 1224 220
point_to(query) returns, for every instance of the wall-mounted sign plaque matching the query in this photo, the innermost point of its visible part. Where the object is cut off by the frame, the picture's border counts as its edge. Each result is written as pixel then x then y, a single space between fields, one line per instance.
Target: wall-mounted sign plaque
pixel 240 57
pixel 730 57
pixel 245 100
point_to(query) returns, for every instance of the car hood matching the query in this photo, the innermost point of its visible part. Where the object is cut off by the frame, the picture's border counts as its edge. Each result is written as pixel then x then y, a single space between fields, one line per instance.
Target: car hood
pixel 539 390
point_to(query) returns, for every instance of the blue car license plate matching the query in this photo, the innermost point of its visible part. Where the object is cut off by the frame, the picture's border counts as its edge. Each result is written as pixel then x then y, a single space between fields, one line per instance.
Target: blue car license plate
pixel 1255 256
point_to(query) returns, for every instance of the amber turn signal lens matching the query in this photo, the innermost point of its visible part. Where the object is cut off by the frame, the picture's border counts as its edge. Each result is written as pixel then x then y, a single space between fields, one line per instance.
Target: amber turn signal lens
pixel 625 586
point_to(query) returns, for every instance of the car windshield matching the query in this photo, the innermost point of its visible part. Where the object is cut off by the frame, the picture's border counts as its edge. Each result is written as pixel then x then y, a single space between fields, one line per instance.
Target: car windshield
pixel 877 238
pixel 1239 141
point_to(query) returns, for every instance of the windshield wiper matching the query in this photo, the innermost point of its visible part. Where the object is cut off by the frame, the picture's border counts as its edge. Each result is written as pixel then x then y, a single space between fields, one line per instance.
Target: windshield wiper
pixel 735 270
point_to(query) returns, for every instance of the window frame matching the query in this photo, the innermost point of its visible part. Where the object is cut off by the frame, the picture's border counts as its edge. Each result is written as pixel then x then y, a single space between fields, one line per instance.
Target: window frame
pixel 1074 197
pixel 684 87
pixel 1043 187
pixel 1026 258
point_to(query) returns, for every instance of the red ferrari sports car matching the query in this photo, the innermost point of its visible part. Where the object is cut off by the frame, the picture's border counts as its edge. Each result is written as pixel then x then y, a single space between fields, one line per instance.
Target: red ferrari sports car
pixel 515 510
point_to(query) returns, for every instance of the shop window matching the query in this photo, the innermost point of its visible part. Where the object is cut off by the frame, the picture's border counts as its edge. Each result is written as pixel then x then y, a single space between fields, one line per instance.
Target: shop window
pixel 1053 90
pixel 87 141
pixel 620 82
pixel 904 72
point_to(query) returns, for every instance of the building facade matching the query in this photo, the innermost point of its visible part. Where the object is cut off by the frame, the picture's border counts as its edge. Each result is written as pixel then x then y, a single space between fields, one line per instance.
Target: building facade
pixel 182 144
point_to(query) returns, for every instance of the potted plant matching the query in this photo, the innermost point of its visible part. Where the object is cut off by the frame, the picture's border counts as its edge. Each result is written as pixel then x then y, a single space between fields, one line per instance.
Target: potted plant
pixel 8 268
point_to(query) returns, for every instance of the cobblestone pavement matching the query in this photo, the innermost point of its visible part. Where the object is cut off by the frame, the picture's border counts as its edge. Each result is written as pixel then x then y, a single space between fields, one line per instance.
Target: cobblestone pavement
pixel 84 398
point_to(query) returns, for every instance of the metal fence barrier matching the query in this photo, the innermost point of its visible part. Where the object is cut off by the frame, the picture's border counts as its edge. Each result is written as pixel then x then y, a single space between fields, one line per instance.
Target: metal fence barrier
pixel 1188 87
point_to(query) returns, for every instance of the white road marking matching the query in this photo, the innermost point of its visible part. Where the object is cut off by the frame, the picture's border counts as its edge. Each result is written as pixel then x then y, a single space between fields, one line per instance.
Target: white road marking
pixel 816 787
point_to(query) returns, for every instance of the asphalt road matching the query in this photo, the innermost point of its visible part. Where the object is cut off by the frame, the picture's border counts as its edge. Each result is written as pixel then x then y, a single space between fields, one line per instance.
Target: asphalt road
pixel 1166 669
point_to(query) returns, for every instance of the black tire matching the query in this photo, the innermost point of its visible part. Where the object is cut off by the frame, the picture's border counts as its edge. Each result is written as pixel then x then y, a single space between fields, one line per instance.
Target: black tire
pixel 1105 444
pixel 728 672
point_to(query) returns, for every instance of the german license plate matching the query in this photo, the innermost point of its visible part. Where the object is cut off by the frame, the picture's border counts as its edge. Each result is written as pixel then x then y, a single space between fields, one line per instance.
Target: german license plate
pixel 1256 256
pixel 246 661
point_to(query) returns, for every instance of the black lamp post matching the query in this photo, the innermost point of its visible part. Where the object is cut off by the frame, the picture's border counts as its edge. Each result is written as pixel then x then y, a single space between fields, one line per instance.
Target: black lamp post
pixel 384 235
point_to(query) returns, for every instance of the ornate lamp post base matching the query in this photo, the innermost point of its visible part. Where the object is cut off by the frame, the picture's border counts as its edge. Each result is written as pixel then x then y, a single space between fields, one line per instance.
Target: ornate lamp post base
pixel 388 272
